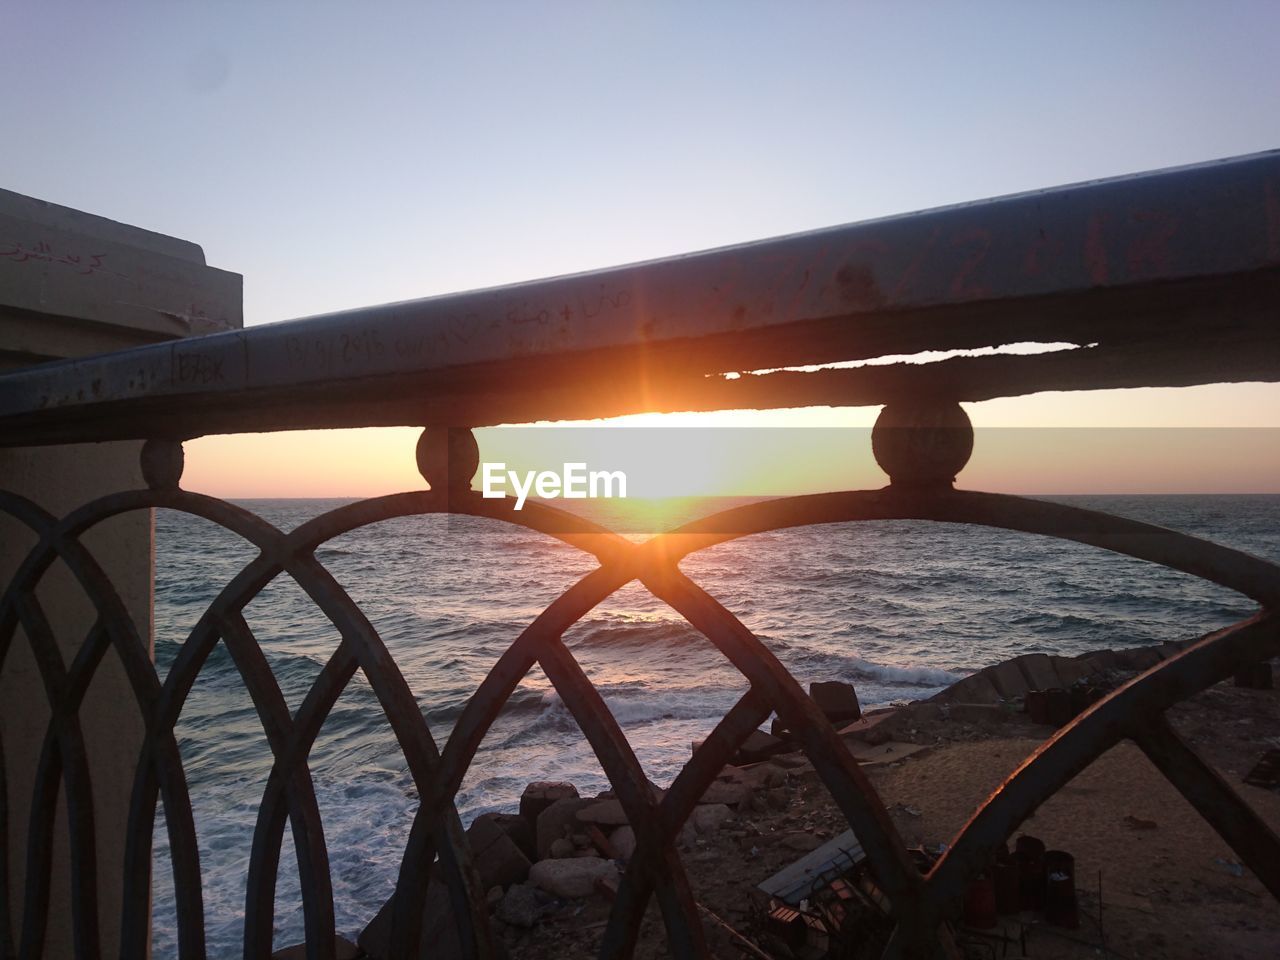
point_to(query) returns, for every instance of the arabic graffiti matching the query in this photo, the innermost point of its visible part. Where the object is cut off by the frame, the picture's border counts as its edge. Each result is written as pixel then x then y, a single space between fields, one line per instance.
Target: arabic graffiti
pixel 43 252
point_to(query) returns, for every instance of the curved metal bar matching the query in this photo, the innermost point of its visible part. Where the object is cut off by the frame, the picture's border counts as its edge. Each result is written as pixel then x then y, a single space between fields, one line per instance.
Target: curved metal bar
pixel 598 541
pixel 160 762
pixel 266 537
pixel 688 788
pixel 848 785
pixel 40 823
pixel 37 833
pixel 1230 568
pixel 61 539
pixel 483 707
pixel 384 676
pixel 1253 840
pixel 49 769
pixel 41 523
pixel 6 924
pixel 8 626
pixel 259 914
pixel 173 694
pixel 160 752
pixel 168 705
pixel 419 749
pixel 560 524
pixel 163 775
pixel 1074 747
pixel 622 560
pixel 304 811
pixel 1234 569
pixel 572 530
pixel 71 761
pixel 684 929
pixel 273 810
pixel 711 757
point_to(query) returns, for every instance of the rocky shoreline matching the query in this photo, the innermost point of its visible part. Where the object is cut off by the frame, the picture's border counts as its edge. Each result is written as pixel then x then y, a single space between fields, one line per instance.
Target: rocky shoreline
pixel 552 869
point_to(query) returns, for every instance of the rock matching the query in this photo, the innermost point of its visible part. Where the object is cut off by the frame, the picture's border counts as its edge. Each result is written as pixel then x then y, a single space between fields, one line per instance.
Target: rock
pixel 541 794
pixel 656 792
pixel 975 689
pixel 1008 679
pixel 708 817
pixel 439 940
pixel 803 773
pixel 735 784
pixel 878 729
pixel 759 746
pixel 801 842
pixel 608 885
pixel 883 753
pixel 572 878
pixel 498 860
pixel 1071 670
pixel 1255 676
pixel 494 896
pixel 518 829
pixel 344 949
pixel 606 813
pixel 731 794
pixel 524 905
pixel 789 761
pixel 977 713
pixel 1038 669
pixel 777 799
pixel 599 841
pixel 766 775
pixel 837 700
pixel 1103 662
pixel 623 841
pixel 1139 658
pixel 560 848
pixel 557 821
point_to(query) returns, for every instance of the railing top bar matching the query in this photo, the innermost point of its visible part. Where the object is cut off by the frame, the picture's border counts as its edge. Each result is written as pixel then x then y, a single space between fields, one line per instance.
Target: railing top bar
pixel 1123 263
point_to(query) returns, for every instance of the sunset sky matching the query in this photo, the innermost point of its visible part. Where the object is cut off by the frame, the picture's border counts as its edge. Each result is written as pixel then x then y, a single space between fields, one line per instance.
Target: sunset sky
pixel 341 155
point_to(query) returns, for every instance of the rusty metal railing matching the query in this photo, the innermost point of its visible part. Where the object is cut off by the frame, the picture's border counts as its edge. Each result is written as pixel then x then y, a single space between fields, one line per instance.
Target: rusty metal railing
pixel 1201 246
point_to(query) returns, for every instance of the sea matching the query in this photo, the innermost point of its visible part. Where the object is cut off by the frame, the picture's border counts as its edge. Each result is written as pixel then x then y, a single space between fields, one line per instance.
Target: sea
pixel 900 609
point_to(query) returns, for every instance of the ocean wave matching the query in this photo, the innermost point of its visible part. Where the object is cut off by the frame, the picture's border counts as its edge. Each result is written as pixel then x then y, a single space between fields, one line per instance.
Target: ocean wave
pixel 632 705
pixel 614 631
pixel 918 675
pixel 1053 620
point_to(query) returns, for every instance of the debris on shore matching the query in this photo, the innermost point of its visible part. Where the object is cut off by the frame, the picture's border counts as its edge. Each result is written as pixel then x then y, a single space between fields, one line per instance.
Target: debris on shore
pixel 777 876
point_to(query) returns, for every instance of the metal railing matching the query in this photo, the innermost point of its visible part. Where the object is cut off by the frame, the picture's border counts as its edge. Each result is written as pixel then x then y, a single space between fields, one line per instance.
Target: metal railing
pixel 1166 279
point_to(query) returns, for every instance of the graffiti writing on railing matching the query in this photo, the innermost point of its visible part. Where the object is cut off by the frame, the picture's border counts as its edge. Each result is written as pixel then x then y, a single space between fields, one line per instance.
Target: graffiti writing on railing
pixel 198 368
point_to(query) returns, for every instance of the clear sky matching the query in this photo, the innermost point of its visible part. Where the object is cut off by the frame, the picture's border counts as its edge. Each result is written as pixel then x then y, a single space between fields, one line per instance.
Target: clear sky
pixel 343 154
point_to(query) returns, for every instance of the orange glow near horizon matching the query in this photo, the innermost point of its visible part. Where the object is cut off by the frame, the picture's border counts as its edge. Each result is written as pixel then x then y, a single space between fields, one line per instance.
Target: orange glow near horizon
pixel 1034 459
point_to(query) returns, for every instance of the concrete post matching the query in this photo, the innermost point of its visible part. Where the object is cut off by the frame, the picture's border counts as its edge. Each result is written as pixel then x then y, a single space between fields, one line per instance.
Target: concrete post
pixel 72 284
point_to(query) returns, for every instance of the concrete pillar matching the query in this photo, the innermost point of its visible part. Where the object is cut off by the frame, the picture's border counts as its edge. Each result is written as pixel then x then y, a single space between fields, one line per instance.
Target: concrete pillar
pixel 72 284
